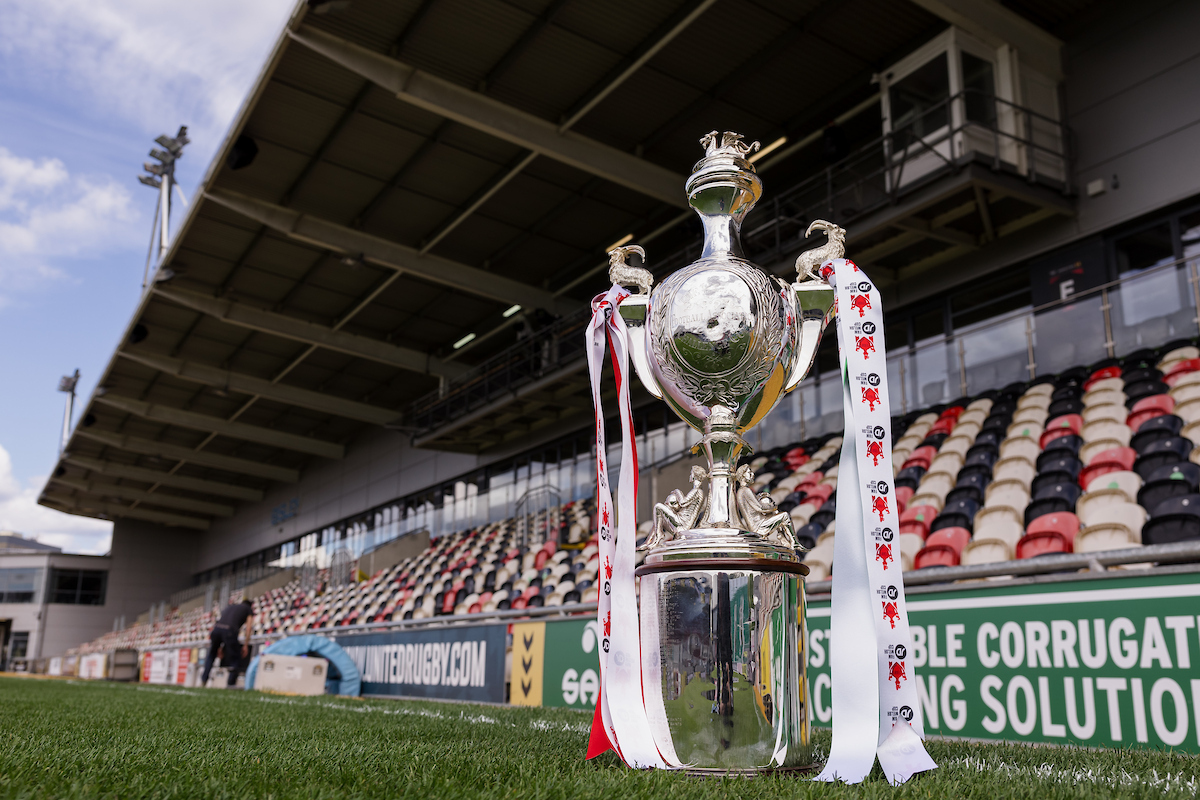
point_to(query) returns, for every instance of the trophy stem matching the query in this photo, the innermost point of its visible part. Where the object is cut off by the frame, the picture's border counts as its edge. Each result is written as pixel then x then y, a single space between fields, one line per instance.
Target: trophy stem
pixel 723 447
pixel 722 235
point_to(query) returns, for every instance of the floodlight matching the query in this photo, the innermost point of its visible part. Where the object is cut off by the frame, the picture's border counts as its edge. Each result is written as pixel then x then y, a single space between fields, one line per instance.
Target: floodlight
pixel 154 169
pixel 146 180
pixel 162 155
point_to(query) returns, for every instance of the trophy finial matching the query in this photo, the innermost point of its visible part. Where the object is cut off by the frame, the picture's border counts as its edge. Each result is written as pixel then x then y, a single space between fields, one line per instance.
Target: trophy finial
pixel 622 274
pixel 808 261
pixel 715 143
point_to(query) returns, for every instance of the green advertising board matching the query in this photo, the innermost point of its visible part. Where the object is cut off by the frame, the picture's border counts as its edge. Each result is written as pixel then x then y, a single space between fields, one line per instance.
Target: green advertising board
pixel 1107 662
pixel 571 672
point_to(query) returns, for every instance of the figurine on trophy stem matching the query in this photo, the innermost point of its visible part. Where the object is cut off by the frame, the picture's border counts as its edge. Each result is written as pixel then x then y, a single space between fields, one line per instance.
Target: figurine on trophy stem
pixel 759 511
pixel 678 513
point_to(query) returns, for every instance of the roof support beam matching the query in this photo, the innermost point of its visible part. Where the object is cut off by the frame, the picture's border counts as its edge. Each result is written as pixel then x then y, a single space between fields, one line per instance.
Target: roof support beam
pixel 234 430
pixel 114 470
pixel 248 316
pixel 129 493
pixel 149 447
pixel 377 250
pixel 475 110
pixel 998 26
pixel 248 384
pixel 642 54
pixel 110 510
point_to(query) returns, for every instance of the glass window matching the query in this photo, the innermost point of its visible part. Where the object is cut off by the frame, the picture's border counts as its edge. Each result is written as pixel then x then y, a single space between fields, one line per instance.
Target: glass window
pixel 917 100
pixel 987 300
pixel 83 587
pixel 18 646
pixel 1144 249
pixel 929 324
pixel 979 89
pixel 21 585
pixel 1189 228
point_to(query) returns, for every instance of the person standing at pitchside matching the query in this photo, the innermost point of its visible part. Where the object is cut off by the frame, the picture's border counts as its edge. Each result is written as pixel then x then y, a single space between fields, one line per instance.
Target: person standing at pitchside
pixel 225 634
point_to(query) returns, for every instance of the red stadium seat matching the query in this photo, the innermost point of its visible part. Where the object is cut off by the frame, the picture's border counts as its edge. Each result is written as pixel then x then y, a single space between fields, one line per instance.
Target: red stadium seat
pixel 519 604
pixel 903 495
pixel 953 412
pixel 1179 369
pixel 917 520
pixel 475 608
pixel 1160 402
pixel 1065 425
pixel 1063 523
pixel 954 538
pixel 821 491
pixel 938 555
pixel 1101 374
pixel 811 479
pixel 943 425
pixel 540 559
pixel 1118 459
pixel 1036 544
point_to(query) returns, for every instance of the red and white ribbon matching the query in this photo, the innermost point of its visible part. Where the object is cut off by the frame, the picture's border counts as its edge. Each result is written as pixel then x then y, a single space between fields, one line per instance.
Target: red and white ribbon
pixel 876 710
pixel 620 721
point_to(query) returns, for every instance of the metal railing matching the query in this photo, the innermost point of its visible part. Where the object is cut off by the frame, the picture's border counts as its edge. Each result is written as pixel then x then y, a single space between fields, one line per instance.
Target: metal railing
pixel 870 178
pixel 1067 566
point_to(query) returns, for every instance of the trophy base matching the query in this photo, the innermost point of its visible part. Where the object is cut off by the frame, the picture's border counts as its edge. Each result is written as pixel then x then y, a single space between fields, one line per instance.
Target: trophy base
pixel 724 654
pixel 751 773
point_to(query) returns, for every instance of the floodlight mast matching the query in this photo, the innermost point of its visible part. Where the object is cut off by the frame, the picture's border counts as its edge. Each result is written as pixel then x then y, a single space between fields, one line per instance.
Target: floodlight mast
pixel 67 384
pixel 161 177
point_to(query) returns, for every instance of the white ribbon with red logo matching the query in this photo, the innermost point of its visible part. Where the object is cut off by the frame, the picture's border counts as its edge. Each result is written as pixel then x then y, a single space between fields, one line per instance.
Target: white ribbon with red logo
pixel 876 710
pixel 621 720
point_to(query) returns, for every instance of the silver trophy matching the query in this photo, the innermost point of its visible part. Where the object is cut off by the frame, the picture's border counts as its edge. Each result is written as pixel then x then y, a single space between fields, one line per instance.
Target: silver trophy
pixel 722 587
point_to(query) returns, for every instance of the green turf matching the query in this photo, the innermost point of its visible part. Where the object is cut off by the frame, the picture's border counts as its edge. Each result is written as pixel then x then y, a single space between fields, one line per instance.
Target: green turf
pixel 74 739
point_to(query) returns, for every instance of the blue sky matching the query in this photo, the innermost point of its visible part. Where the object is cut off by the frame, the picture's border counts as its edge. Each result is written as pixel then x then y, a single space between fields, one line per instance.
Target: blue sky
pixel 85 86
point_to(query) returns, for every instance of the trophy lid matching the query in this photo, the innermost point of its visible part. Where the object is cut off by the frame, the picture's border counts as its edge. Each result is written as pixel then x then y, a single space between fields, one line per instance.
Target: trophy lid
pixel 724 181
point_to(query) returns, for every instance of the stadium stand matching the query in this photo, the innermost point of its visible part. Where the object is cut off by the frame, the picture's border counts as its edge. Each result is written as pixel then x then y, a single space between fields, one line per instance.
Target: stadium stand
pixel 1099 457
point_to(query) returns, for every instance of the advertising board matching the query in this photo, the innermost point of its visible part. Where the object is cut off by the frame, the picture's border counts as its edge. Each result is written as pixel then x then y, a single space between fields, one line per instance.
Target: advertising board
pixel 563 671
pixel 464 663
pixel 93 666
pixel 1104 662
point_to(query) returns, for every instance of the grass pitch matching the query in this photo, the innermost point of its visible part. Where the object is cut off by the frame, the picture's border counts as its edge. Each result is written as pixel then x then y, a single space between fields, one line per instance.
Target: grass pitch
pixel 72 739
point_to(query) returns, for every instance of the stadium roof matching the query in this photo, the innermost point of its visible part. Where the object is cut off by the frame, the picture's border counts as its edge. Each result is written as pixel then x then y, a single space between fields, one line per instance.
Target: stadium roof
pixel 405 173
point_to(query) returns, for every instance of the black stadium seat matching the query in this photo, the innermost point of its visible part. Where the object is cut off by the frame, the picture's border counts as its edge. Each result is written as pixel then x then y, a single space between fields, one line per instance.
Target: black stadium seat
pixel 1161 453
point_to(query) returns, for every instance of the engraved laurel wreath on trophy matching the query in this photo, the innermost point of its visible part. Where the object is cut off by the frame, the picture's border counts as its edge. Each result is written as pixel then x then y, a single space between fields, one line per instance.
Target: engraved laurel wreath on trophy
pixel 722 592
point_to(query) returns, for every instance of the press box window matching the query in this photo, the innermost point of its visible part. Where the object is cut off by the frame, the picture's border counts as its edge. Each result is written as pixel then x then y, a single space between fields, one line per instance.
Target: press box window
pixel 81 587
pixel 20 585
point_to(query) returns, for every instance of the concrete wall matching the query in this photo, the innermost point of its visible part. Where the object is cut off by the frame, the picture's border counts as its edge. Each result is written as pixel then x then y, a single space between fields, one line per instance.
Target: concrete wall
pixel 148 563
pixel 392 553
pixel 380 466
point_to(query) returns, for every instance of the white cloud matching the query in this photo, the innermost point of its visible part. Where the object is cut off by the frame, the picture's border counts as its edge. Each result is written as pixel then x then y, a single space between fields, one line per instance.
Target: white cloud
pixel 45 214
pixel 20 512
pixel 155 64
